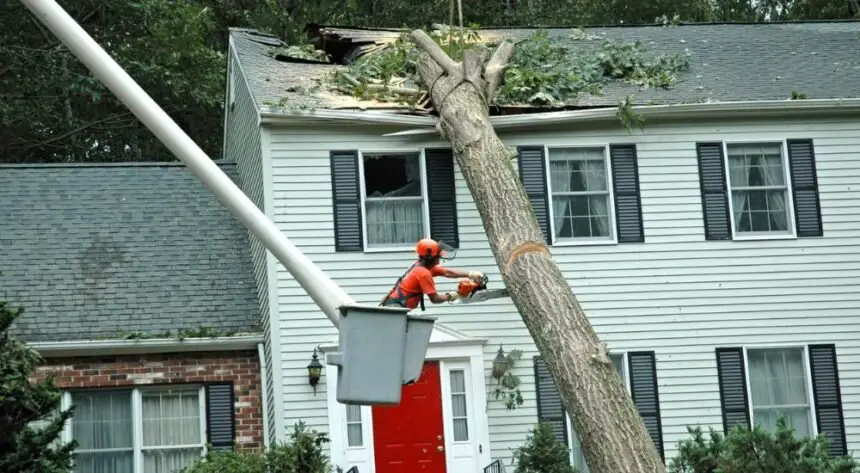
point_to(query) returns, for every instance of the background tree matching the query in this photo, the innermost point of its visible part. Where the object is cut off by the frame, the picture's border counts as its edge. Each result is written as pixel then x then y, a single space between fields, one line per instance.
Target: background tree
pixel 53 110
pixel 23 447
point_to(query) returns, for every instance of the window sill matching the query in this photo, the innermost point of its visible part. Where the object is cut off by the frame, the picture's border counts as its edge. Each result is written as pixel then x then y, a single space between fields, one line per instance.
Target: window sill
pixel 764 237
pixel 390 249
pixel 563 243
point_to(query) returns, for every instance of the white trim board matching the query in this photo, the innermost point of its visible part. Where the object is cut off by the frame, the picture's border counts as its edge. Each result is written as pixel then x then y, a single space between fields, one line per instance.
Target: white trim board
pixel 454 350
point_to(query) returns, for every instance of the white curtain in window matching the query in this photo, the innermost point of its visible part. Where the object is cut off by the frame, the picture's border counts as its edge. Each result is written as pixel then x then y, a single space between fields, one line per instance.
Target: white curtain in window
pixel 171 430
pixel 778 387
pixel 579 170
pixel 353 426
pixel 758 165
pixel 102 426
pixel 397 217
pixel 458 406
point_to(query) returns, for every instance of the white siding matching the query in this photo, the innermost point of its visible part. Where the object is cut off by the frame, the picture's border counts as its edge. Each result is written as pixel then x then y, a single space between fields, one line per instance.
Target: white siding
pixel 676 294
pixel 243 146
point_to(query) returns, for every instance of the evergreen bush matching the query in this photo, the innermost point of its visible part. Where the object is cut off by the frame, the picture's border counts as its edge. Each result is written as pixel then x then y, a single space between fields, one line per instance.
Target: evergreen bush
pixel 757 450
pixel 30 417
pixel 542 453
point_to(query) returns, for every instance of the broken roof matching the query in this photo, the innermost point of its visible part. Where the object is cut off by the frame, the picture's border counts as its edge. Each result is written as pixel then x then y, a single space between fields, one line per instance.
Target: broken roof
pixel 106 250
pixel 728 63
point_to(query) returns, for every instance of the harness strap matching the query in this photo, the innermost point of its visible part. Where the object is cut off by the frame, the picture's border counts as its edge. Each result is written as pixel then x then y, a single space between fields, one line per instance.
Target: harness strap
pixel 401 297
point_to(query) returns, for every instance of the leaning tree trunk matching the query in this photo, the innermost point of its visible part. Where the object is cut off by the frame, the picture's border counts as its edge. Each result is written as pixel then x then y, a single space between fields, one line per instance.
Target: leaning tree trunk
pixel 614 437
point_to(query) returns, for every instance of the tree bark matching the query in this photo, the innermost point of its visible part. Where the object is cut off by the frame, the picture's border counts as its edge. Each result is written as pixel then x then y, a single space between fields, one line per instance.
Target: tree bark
pixel 614 437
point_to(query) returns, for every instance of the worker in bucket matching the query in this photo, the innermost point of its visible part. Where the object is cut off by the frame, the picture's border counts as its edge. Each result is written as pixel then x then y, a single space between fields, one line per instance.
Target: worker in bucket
pixel 417 281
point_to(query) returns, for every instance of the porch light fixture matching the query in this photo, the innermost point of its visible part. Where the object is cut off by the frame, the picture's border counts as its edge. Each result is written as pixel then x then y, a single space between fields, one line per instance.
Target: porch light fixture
pixel 500 364
pixel 314 371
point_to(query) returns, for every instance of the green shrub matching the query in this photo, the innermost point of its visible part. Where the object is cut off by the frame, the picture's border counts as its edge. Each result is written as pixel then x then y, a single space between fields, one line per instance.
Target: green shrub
pixel 31 420
pixel 303 454
pixel 543 453
pixel 757 450
pixel 229 462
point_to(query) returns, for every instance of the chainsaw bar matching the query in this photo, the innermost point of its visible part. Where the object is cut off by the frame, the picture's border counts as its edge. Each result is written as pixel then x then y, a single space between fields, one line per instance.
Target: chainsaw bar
pixel 484 295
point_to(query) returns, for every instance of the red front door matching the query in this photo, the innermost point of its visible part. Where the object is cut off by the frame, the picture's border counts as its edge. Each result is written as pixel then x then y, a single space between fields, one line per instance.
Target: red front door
pixel 409 437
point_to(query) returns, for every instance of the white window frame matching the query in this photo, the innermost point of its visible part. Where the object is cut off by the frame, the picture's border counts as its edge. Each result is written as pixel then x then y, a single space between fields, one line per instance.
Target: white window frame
pixel 424 198
pixel 137 416
pixel 360 422
pixel 758 236
pixel 612 239
pixel 807 373
pixel 625 368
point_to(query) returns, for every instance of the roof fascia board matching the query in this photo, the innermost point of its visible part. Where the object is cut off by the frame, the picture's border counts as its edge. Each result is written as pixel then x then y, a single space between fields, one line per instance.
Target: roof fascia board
pixel 686 111
pixel 530 120
pixel 144 346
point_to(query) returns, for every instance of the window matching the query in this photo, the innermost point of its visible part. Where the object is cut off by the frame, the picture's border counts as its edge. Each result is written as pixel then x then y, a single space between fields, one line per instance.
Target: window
pixel 459 411
pixel 779 386
pixel 580 194
pixel 758 184
pixel 395 212
pixel 137 431
pixel 577 457
pixel 354 433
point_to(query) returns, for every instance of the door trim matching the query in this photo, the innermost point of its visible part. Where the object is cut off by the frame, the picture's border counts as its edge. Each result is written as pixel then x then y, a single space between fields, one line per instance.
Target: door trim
pixel 469 351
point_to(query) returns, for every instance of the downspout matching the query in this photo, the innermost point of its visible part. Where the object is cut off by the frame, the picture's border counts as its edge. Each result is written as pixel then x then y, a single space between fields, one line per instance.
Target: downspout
pixel 263 397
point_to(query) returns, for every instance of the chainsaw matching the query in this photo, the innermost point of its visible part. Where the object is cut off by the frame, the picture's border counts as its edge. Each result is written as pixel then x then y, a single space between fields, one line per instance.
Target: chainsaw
pixel 476 291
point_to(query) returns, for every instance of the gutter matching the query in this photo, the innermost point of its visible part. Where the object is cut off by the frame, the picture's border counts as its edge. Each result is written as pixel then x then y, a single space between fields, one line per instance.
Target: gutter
pixel 743 109
pixel 144 346
pixel 264 398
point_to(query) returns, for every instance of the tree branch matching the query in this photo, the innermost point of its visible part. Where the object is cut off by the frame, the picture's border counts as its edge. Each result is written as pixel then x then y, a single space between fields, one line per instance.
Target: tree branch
pixel 76 130
pixel 425 42
pixel 381 87
pixel 494 71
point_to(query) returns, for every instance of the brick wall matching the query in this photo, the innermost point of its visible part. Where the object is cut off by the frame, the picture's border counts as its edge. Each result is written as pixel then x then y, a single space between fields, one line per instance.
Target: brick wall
pixel 241 367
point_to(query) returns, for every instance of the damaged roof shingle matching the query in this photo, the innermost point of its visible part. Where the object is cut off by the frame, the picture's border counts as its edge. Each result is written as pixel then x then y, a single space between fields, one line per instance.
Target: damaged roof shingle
pixel 728 62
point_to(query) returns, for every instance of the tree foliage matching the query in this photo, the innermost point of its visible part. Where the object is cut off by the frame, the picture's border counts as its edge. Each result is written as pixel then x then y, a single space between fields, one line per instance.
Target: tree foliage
pixel 757 450
pixel 25 447
pixel 543 71
pixel 55 110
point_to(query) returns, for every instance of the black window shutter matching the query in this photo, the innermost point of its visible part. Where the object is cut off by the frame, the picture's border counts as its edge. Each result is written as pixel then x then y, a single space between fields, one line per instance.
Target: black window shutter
pixel 442 196
pixel 532 169
pixel 733 387
pixel 828 397
pixel 804 186
pixel 625 183
pixel 642 369
pixel 549 404
pixel 715 200
pixel 219 415
pixel 346 199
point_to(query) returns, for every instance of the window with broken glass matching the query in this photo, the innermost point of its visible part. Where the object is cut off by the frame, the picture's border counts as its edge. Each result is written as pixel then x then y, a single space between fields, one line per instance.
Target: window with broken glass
pixel 394 201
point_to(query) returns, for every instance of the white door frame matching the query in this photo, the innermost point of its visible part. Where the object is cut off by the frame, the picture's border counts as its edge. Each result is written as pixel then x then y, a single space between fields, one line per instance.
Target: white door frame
pixel 446 346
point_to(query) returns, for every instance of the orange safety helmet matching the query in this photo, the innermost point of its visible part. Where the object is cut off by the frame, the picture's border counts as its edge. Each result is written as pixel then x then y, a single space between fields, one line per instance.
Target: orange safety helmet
pixel 429 249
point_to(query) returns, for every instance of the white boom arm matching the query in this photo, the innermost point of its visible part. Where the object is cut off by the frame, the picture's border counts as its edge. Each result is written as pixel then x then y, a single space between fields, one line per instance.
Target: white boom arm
pixel 324 292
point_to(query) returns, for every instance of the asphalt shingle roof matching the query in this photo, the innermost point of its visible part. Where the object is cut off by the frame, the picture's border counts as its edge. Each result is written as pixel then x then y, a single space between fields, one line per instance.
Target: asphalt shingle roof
pixel 92 251
pixel 729 62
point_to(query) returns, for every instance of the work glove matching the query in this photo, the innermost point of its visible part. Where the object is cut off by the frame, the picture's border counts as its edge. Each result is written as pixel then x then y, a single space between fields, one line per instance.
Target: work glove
pixel 476 276
pixel 453 296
